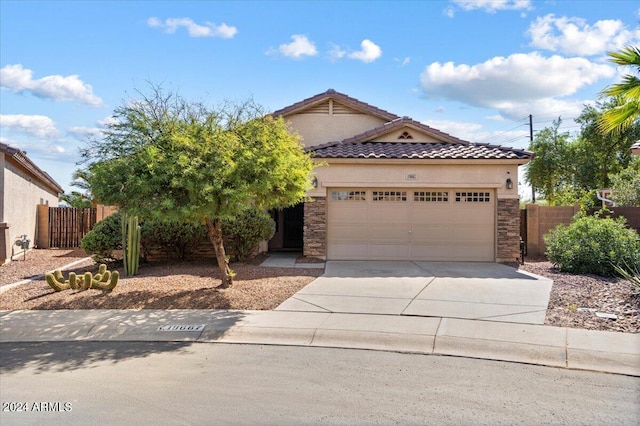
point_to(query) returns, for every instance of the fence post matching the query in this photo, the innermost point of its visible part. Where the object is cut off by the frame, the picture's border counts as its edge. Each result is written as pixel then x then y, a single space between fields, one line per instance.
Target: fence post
pixel 42 229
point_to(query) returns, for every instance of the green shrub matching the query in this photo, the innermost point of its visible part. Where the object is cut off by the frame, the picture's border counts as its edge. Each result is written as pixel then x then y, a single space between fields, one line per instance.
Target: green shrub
pixel 177 238
pixel 173 237
pixel 104 238
pixel 245 231
pixel 593 245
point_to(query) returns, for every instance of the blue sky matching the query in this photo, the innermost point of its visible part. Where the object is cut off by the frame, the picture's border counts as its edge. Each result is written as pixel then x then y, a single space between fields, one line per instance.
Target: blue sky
pixel 474 69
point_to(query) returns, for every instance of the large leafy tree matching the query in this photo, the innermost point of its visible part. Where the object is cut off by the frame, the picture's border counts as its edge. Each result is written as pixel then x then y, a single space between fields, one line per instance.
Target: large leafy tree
pixel 166 158
pixel 549 172
pixel 626 185
pixel 627 93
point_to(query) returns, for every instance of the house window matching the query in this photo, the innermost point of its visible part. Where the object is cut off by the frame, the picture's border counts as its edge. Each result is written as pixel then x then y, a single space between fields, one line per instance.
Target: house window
pixel 389 196
pixel 473 197
pixel 431 196
pixel 348 195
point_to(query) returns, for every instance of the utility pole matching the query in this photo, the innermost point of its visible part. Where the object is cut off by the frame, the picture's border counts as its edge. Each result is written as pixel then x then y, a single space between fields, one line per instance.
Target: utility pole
pixel 533 190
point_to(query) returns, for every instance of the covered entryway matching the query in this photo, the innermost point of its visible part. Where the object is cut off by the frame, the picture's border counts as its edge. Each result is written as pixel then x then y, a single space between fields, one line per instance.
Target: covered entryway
pixel 289 224
pixel 434 224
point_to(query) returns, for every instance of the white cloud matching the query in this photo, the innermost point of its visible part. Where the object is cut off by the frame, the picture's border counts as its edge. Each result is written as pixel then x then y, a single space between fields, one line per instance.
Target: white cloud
pixel 37 125
pixel 336 52
pixel 449 12
pixel 514 83
pixel 369 52
pixel 404 61
pixel 82 133
pixel 492 6
pixel 299 47
pixel 575 36
pixel 56 87
pixel 208 29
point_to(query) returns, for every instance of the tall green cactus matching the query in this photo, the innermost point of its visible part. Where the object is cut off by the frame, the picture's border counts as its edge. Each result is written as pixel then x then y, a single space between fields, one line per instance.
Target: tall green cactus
pixel 130 244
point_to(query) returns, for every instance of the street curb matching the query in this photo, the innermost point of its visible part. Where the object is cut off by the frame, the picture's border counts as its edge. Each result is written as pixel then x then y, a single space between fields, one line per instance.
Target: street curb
pixel 577 349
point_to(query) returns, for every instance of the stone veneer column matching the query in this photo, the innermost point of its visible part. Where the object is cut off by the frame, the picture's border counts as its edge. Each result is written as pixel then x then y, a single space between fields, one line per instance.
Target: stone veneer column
pixel 508 230
pixel 315 228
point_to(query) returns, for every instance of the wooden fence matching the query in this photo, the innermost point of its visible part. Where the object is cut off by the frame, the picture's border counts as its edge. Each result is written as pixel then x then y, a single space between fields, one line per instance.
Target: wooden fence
pixel 63 227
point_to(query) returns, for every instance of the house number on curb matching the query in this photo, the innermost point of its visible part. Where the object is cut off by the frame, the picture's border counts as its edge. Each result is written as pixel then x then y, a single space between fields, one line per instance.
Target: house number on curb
pixel 181 327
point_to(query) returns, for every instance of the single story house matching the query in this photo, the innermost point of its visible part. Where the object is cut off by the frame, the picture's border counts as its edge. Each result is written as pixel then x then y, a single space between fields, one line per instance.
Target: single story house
pixel 391 188
pixel 23 186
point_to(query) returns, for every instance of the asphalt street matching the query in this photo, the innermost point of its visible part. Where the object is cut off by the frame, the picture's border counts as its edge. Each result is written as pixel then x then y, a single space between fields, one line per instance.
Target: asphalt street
pixel 197 383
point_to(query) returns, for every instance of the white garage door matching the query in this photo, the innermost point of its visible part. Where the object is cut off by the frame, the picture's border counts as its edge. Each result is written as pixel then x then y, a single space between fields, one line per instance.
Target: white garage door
pixel 411 224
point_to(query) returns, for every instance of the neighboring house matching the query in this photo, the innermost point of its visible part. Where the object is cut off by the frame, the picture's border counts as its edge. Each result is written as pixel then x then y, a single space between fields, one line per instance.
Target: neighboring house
pixel 392 188
pixel 635 148
pixel 23 186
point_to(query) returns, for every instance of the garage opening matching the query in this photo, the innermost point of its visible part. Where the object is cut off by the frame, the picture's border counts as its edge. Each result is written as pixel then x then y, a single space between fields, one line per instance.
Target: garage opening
pixel 289 229
pixel 439 224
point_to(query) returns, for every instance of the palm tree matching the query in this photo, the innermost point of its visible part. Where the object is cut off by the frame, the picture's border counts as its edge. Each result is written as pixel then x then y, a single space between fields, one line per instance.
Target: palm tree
pixel 626 93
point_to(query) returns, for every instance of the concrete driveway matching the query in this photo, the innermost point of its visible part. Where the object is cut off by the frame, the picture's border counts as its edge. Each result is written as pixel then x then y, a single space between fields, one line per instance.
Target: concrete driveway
pixel 469 290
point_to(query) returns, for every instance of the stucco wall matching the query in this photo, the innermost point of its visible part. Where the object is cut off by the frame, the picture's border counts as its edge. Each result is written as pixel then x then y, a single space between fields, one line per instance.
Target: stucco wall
pixel 387 174
pixel 322 128
pixel 20 198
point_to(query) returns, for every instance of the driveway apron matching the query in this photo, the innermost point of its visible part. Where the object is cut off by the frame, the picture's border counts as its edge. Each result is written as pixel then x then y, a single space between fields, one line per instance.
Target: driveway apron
pixel 469 290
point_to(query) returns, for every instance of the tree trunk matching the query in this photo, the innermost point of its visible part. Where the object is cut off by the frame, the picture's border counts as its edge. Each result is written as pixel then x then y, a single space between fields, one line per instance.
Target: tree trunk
pixel 214 229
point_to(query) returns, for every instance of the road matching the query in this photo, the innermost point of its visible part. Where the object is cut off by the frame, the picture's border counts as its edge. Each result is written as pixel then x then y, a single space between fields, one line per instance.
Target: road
pixel 186 383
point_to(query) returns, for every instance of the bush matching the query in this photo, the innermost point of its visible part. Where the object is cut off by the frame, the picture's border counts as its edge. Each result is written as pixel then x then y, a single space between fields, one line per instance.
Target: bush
pixel 173 237
pixel 240 235
pixel 245 231
pixel 593 245
pixel 104 238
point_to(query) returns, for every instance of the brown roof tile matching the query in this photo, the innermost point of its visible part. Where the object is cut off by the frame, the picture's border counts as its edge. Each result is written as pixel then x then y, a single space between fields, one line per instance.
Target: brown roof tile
pixel 21 158
pixel 423 150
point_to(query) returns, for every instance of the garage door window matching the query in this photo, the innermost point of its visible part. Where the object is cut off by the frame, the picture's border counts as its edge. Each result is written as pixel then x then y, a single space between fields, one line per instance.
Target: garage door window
pixel 431 196
pixel 348 195
pixel 389 196
pixel 473 197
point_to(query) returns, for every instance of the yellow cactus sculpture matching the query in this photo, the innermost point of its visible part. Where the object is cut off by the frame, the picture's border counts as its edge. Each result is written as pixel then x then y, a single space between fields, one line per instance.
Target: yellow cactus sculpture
pixel 104 280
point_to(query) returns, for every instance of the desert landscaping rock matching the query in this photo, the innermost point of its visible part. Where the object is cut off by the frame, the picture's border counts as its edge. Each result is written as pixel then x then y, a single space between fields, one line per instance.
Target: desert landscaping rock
pixel 574 300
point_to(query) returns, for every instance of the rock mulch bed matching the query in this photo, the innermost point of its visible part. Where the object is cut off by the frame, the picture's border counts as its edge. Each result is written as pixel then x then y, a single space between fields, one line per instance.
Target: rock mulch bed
pixel 576 300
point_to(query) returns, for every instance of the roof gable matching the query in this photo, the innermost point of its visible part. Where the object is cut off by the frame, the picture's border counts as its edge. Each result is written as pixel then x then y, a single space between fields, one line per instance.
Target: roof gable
pixel 337 103
pixel 408 130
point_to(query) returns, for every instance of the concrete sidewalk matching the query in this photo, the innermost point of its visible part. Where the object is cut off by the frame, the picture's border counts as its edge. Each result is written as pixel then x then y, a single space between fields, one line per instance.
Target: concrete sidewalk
pixel 525 343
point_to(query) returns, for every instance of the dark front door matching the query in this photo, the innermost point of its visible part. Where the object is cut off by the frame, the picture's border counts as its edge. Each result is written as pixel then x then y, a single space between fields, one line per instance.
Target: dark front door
pixel 289 224
pixel 293 224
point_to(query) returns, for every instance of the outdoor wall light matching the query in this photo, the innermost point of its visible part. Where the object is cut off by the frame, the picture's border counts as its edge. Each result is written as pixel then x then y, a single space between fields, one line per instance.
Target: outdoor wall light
pixel 509 183
pixel 314 182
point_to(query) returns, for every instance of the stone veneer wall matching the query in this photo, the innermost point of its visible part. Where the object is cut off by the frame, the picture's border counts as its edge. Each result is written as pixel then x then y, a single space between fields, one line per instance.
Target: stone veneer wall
pixel 315 228
pixel 508 230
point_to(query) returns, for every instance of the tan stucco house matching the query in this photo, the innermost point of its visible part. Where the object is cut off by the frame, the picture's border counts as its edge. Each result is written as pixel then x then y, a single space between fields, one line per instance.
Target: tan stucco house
pixel 391 188
pixel 23 186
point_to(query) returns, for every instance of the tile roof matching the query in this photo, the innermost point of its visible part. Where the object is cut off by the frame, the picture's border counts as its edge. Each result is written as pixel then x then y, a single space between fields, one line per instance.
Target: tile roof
pixel 21 158
pixel 341 97
pixel 422 150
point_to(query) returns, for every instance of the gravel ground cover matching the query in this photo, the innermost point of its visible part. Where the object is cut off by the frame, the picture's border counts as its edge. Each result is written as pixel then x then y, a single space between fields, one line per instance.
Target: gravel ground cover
pixel 159 285
pixel 576 300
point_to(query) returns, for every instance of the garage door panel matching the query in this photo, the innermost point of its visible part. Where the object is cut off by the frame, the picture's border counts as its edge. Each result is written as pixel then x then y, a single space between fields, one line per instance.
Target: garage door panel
pixel 389 251
pixel 425 227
